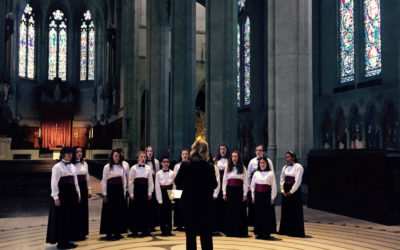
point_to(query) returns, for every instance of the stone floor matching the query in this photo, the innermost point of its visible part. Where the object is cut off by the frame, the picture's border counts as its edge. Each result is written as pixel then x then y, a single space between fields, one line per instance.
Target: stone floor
pixel 26 229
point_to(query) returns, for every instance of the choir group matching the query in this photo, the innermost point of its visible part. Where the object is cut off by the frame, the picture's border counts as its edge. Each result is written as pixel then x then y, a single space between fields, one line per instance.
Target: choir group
pixel 136 198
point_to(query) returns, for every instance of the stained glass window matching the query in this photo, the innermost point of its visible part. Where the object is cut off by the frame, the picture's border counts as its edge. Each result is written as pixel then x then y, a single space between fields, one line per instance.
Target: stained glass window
pixel 246 41
pixel 26 53
pixel 238 66
pixel 372 26
pixel 346 40
pixel 87 48
pixel 241 4
pixel 58 46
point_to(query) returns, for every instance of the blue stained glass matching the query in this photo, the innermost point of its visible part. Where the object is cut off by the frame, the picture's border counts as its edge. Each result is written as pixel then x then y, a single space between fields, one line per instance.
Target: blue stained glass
pixel 372 22
pixel 246 41
pixel 346 41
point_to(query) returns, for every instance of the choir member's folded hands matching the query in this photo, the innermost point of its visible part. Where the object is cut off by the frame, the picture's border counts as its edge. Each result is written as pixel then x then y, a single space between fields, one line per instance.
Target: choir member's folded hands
pixel 254 200
pixel 57 203
pixel 224 197
pixel 105 199
pixel 244 197
pixel 79 199
pixel 272 202
pixel 131 197
pixel 149 198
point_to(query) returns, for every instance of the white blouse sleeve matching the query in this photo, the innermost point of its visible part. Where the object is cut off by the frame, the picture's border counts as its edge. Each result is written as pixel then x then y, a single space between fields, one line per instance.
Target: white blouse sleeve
pixel 273 186
pixel 245 182
pixel 249 172
pixel 78 190
pixel 131 181
pixel 150 183
pixel 88 179
pixel 298 178
pixel 217 189
pixel 124 181
pixel 104 179
pixel 282 179
pixel 224 181
pixel 55 178
pixel 158 189
pixel 253 186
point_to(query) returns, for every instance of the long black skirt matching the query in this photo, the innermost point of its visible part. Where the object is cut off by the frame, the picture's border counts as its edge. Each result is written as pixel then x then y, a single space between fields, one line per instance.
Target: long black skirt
pixel 292 220
pixel 61 225
pixel 235 221
pixel 82 217
pixel 112 213
pixel 264 224
pixel 178 212
pixel 250 210
pixel 139 213
pixel 218 211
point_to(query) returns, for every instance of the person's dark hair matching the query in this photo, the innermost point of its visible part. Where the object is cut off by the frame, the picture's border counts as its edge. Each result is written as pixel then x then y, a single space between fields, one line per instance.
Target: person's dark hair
pixel 65 150
pixel 121 153
pixel 262 146
pixel 239 165
pixel 164 157
pixel 266 160
pixel 111 158
pixel 219 156
pixel 74 154
pixel 180 156
pixel 152 160
pixel 293 155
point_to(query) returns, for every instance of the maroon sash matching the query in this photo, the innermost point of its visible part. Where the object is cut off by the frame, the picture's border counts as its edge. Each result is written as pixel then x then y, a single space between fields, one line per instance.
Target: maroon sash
pixel 81 178
pixel 67 180
pixel 115 180
pixel 262 187
pixel 235 182
pixel 140 181
pixel 166 187
pixel 290 180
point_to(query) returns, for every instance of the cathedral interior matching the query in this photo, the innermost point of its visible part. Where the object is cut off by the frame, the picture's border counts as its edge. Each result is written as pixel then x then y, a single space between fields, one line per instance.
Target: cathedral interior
pixel 317 77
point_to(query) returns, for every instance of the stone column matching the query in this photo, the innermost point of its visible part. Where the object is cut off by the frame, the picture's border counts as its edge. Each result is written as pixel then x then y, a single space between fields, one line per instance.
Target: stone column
pixel 221 107
pixel 271 83
pixel 290 80
pixel 2 20
pixel 158 74
pixel 128 76
pixel 183 81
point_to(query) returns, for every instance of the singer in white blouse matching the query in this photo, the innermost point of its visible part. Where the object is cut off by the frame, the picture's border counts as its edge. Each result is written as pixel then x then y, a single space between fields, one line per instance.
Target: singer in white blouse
pixel 221 162
pixel 292 219
pixel 114 188
pixel 141 187
pixel 234 189
pixel 65 196
pixel 82 172
pixel 164 182
pixel 263 191
pixel 178 209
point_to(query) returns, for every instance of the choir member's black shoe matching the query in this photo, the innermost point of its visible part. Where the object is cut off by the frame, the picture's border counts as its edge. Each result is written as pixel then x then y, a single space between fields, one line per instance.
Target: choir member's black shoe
pixel 118 236
pixel 145 234
pixel 260 237
pixel 167 234
pixel 109 237
pixel 62 246
pixel 71 245
pixel 133 235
